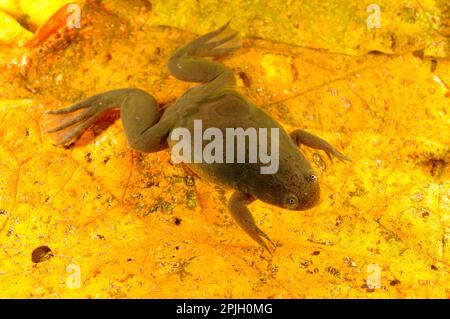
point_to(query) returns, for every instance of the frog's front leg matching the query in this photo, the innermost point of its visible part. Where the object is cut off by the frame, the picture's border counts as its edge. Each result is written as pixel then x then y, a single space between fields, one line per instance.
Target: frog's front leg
pixel 237 205
pixel 310 140
pixel 188 64
pixel 139 112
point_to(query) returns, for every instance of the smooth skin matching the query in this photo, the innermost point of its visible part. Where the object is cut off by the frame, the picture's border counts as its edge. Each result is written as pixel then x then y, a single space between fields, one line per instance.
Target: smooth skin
pixel 217 103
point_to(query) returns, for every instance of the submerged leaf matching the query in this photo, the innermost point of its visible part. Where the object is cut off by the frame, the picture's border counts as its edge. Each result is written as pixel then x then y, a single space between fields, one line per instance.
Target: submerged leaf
pixel 125 224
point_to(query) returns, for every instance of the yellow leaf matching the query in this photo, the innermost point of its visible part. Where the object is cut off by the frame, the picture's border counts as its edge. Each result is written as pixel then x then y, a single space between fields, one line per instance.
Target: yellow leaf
pixel 98 220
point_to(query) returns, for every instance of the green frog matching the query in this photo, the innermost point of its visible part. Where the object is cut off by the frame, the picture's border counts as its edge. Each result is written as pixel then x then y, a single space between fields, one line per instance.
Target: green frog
pixel 217 103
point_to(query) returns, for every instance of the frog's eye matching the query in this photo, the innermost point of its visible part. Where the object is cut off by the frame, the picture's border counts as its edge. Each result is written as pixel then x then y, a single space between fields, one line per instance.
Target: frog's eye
pixel 312 178
pixel 290 201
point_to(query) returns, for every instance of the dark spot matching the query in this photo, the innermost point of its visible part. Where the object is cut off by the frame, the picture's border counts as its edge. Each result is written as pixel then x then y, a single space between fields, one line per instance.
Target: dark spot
pixel 393 39
pixel 433 267
pixel 368 289
pixel 419 54
pixel 333 271
pixel 374 52
pixel 316 253
pixel 177 221
pixel 130 259
pixel 106 159
pixel 304 264
pixel 425 213
pixel 294 71
pixel 150 184
pixel 245 79
pixel 101 237
pixel 437 167
pixel 3 211
pixel 176 247
pixel 88 157
pixel 434 64
pixel 148 5
pixel 27 132
pixel 108 56
pixel 68 146
pixel 41 254
pixel 158 51
pixel 395 282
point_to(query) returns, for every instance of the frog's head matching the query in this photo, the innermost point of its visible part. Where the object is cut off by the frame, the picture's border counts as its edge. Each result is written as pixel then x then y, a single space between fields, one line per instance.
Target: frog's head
pixel 295 186
pixel 301 191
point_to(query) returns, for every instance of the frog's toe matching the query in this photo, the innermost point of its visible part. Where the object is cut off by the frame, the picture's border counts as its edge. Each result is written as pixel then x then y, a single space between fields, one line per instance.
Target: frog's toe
pixel 219 42
pixel 75 107
pixel 213 34
pixel 266 247
pixel 265 236
pixel 338 155
pixel 79 118
pixel 261 242
pixel 221 46
pixel 219 51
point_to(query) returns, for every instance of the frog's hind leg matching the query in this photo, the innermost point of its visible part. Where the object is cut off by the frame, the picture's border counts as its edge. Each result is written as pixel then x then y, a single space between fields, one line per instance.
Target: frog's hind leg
pixel 139 112
pixel 188 64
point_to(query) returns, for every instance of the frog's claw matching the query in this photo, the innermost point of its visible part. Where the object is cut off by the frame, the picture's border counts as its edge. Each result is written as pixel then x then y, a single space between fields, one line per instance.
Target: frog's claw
pixel 237 206
pixel 310 140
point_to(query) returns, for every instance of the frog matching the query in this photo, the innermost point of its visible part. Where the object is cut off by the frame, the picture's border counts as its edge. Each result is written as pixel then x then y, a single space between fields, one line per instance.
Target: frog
pixel 216 101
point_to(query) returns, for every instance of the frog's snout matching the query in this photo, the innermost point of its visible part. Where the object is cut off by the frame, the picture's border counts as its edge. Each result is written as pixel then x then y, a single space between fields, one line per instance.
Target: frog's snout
pixel 309 194
pixel 309 199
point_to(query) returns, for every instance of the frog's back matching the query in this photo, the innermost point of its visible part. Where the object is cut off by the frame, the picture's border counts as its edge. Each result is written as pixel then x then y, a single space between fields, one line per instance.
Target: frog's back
pixel 226 109
pixel 230 111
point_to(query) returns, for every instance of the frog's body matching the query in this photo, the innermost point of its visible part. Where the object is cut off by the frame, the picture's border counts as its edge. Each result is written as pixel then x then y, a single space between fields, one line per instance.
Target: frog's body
pixel 218 105
pixel 246 177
